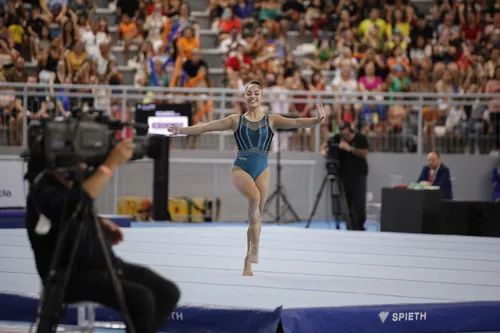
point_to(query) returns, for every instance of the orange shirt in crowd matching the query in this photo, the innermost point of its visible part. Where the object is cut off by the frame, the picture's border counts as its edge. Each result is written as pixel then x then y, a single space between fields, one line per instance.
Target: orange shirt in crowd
pixel 187 45
pixel 129 30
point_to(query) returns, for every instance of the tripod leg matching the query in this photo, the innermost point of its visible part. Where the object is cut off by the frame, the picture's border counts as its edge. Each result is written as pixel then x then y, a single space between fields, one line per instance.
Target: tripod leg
pixel 335 203
pixel 114 277
pixel 268 202
pixel 316 203
pixel 53 293
pixel 289 206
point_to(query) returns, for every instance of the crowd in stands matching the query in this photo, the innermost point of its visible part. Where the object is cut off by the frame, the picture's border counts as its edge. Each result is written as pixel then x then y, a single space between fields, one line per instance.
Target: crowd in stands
pixel 371 46
pixel 347 46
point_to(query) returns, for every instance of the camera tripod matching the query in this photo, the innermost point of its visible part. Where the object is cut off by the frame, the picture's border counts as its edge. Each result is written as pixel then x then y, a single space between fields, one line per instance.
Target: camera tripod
pixel 278 192
pixel 338 201
pixel 52 299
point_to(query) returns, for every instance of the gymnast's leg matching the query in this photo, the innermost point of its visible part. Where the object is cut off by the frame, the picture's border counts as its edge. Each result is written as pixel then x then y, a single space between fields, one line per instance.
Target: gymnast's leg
pixel 262 183
pixel 246 186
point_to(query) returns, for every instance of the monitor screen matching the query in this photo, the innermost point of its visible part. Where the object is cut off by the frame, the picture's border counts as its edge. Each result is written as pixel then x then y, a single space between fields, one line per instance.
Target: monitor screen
pixel 159 117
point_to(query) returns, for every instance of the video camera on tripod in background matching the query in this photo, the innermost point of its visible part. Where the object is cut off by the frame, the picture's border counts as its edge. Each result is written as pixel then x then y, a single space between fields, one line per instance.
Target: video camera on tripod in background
pixel 335 191
pixel 333 160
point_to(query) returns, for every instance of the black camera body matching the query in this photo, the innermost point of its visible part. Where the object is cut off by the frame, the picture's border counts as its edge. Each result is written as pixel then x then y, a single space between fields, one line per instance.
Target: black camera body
pixel 62 143
pixel 333 159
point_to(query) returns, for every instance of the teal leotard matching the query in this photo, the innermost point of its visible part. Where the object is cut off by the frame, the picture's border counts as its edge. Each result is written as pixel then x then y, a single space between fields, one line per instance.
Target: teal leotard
pixel 254 141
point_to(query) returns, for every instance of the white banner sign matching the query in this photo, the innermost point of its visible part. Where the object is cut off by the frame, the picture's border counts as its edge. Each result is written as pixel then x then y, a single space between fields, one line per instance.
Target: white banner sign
pixel 12 187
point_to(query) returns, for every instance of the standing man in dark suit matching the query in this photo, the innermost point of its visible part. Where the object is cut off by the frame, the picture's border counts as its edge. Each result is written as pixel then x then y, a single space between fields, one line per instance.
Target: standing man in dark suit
pixel 436 173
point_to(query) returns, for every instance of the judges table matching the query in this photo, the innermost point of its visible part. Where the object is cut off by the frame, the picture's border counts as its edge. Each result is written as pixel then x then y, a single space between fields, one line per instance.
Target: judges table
pixel 424 211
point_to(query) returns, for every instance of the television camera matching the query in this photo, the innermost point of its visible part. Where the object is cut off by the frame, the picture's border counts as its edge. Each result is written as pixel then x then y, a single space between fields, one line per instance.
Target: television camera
pixel 62 144
pixel 84 137
pixel 333 159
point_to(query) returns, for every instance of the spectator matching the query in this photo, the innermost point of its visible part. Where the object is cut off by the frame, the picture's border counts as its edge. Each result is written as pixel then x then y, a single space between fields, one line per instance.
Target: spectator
pixel 323 55
pixel 103 58
pixel 420 56
pixel 495 180
pixel 228 45
pixel 187 43
pixel 397 23
pixel 491 65
pixel 353 9
pixel 473 127
pixel 293 17
pixel 244 9
pixel 192 65
pixel 69 35
pixel 77 60
pixel 370 82
pixel 279 105
pixel 430 113
pixel 17 73
pixel 315 18
pixel 373 120
pixel 173 28
pixel 454 114
pixel 421 28
pixel 471 29
pixel 374 19
pixel 128 7
pixel 48 61
pixel 302 108
pixel 154 25
pixel 227 23
pixel 493 87
pixel 55 10
pixel 128 32
pixel 158 77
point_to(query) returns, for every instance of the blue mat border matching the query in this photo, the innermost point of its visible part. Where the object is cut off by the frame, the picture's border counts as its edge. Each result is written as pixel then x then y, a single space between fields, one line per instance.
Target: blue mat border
pixel 185 319
pixel 396 318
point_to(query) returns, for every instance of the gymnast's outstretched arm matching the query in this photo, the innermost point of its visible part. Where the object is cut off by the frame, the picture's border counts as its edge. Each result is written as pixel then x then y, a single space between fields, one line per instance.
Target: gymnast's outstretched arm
pixel 279 121
pixel 212 126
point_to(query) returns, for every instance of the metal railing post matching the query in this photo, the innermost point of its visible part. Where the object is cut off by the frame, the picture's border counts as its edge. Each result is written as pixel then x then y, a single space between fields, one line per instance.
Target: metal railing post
pixel 117 172
pixel 420 126
pixel 25 117
pixel 214 195
pixel 317 130
pixel 221 134
pixel 115 191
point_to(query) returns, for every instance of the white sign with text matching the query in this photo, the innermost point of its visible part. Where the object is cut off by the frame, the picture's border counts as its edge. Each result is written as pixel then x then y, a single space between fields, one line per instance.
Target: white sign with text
pixel 12 188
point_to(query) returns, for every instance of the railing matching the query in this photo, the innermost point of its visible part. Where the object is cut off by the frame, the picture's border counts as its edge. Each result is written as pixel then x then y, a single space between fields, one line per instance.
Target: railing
pixel 408 122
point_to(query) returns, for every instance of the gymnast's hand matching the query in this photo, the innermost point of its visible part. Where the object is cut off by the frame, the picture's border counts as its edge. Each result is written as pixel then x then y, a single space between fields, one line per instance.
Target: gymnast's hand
pixel 321 112
pixel 174 129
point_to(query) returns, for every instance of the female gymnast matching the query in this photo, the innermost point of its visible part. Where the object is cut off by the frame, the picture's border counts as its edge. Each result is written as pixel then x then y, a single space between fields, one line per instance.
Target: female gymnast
pixel 253 131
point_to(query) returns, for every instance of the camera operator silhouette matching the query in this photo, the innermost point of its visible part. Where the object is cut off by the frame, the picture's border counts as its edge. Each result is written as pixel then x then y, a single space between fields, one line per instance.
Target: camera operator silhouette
pixel 55 201
pixel 353 169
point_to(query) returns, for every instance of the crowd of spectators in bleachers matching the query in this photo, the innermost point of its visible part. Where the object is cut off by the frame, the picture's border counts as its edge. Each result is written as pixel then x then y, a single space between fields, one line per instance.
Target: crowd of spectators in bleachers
pixel 372 46
pixel 347 46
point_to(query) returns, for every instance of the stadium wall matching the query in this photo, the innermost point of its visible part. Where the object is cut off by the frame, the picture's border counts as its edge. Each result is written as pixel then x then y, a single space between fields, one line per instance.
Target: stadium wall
pixel 206 173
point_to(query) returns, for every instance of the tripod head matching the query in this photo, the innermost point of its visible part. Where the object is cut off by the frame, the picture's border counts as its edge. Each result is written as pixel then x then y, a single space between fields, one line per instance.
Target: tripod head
pixel 332 167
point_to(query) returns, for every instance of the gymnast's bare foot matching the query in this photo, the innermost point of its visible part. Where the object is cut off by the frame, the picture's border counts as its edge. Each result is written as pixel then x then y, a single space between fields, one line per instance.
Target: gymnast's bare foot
pixel 253 253
pixel 247 271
